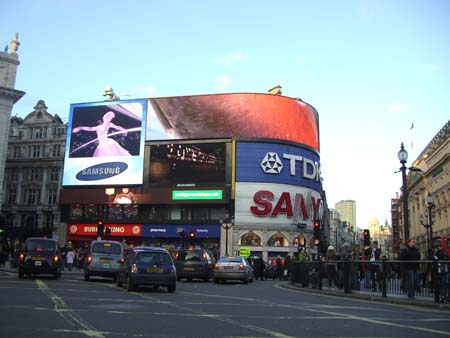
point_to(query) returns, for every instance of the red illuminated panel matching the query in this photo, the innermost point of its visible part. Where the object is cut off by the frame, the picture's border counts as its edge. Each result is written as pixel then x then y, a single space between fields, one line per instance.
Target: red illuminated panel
pixel 238 115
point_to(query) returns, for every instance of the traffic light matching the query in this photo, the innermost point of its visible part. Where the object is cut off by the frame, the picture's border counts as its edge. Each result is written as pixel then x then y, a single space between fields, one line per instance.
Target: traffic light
pixel 317 233
pixel 100 228
pixel 366 234
pixel 191 234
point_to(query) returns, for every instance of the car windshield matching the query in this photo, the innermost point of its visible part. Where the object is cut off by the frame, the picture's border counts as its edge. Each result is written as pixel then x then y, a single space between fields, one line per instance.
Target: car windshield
pixel 107 248
pixel 41 245
pixel 231 259
pixel 153 258
pixel 190 255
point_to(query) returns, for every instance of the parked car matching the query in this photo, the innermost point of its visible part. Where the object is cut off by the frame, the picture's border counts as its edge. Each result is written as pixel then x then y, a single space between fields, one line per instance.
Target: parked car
pixel 233 268
pixel 194 263
pixel 146 265
pixel 103 259
pixel 40 256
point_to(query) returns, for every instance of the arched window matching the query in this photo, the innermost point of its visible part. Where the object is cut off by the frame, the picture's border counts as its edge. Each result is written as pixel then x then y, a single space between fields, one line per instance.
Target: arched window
pixel 277 240
pixel 250 239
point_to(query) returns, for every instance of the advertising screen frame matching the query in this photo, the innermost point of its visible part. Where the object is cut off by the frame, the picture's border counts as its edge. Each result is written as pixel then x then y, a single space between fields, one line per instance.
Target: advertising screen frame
pixel 105 143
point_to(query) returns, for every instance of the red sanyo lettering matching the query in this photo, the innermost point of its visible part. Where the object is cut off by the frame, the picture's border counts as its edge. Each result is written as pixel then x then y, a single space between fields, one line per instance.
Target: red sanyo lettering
pixel 308 207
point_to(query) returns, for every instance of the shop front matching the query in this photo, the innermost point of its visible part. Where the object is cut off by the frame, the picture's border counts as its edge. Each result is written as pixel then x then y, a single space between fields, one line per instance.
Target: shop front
pixel 81 234
pixel 177 236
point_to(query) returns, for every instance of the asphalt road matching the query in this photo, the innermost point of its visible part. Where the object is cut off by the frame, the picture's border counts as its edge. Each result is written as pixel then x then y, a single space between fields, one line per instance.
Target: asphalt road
pixel 71 307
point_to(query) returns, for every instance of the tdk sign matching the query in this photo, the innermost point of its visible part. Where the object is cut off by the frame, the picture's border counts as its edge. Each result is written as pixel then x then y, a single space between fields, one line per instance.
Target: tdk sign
pixel 277 163
pixel 102 171
pixel 271 164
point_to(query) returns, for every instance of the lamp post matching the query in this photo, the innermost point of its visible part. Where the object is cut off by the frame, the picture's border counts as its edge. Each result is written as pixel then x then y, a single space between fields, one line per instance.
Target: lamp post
pixel 426 226
pixel 430 218
pixel 227 225
pixel 403 157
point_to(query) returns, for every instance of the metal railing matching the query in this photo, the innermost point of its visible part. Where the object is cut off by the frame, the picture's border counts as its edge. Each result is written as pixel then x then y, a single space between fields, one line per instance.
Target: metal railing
pixel 387 278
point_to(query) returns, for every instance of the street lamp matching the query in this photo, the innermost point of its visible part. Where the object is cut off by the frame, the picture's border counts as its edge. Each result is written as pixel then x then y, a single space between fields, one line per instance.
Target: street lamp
pixel 226 224
pixel 430 218
pixel 426 226
pixel 403 157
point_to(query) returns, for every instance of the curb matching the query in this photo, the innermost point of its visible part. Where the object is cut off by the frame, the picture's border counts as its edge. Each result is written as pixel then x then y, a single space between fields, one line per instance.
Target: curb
pixel 371 298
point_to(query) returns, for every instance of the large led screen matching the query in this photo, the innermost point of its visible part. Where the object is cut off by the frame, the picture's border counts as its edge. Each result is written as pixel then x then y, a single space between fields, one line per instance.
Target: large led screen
pixel 233 115
pixel 105 143
pixel 188 164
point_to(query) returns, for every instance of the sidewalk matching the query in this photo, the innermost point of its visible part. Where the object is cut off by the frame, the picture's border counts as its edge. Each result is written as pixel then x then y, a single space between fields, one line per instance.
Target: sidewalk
pixel 370 296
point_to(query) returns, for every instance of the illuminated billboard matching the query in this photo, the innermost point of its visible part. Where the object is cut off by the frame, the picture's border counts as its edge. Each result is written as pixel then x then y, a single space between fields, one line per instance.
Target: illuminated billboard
pixel 233 115
pixel 105 143
pixel 187 165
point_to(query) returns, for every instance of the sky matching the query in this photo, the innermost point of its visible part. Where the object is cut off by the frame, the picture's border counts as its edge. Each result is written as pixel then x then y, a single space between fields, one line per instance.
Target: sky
pixel 376 71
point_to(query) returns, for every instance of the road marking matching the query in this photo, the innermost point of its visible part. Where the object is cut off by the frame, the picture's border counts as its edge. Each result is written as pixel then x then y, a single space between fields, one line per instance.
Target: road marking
pixel 220 318
pixel 374 321
pixel 67 314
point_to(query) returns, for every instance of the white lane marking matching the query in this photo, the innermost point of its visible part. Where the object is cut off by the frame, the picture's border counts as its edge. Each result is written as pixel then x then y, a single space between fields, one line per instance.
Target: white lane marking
pixel 67 314
pixel 368 320
pixel 221 318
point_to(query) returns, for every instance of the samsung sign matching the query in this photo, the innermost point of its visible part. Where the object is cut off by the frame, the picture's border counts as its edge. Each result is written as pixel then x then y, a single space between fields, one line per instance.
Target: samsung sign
pixel 277 163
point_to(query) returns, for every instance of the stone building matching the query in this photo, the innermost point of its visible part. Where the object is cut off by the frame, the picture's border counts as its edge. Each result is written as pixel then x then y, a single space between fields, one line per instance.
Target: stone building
pixel 9 61
pixel 33 174
pixel 433 179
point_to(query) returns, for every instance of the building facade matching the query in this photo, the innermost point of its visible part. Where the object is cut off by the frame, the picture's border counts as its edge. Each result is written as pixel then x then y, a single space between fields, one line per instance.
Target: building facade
pixel 433 180
pixel 9 62
pixel 235 181
pixel 33 174
pixel 347 210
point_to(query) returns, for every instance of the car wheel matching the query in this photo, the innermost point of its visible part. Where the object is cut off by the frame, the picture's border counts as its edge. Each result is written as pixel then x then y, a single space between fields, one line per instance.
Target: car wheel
pixel 86 277
pixel 171 288
pixel 130 284
pixel 57 273
pixel 20 273
pixel 246 280
pixel 118 281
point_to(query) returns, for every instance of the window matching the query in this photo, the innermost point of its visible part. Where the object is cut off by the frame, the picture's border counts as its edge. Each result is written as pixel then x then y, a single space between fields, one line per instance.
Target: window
pixel 51 196
pixel 54 174
pixel 31 196
pixel 37 151
pixel 15 175
pixel 16 152
pixel 56 150
pixel 33 174
pixel 39 133
pixel 12 195
pixel 48 219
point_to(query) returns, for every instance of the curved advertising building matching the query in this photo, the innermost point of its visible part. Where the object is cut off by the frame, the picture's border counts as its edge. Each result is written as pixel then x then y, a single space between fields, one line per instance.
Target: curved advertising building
pixel 226 172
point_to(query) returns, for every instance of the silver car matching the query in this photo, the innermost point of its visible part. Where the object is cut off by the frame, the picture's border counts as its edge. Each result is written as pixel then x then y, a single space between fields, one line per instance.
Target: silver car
pixel 104 259
pixel 233 268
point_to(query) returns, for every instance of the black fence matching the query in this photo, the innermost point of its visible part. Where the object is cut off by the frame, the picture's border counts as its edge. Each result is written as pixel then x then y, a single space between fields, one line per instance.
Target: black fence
pixel 429 279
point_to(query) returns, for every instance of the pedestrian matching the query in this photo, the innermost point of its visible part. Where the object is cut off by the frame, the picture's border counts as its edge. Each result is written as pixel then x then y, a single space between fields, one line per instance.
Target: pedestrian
pixel 259 267
pixel 279 267
pixel 331 265
pixel 63 256
pixel 373 254
pixel 70 256
pixel 287 267
pixel 442 269
pixel 411 257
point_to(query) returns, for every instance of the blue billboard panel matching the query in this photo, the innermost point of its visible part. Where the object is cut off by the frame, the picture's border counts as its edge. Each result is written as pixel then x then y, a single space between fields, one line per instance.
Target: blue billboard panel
pixel 277 163
pixel 173 230
pixel 105 143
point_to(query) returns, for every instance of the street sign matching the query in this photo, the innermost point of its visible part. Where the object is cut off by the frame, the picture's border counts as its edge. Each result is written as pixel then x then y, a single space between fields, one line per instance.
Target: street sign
pixel 244 252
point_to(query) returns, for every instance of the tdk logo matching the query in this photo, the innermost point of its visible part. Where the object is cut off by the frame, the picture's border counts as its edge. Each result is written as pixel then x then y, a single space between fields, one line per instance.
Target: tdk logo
pixel 272 164
pixel 102 171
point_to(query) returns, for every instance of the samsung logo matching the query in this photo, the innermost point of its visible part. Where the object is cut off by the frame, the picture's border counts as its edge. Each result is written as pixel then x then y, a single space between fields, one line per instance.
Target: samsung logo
pixel 102 171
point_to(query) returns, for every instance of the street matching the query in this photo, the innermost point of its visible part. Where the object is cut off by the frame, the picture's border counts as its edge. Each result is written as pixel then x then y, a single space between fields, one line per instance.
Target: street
pixel 71 307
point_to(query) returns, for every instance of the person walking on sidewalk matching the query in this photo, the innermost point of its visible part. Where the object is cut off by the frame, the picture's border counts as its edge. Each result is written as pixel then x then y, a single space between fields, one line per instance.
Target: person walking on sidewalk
pixel 411 254
pixel 69 259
